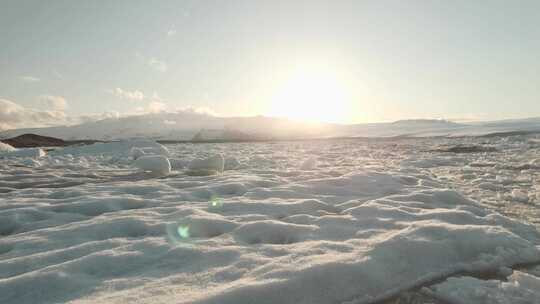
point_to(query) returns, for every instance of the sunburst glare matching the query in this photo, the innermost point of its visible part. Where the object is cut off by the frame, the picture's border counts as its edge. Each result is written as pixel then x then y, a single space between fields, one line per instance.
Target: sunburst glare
pixel 313 94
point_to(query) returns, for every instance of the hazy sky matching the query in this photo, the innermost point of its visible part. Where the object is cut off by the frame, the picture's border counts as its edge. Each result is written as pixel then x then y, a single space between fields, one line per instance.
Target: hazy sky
pixel 391 59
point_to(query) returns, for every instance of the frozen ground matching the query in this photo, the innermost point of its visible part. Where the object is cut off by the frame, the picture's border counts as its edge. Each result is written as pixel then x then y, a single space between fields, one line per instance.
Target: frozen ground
pixel 345 221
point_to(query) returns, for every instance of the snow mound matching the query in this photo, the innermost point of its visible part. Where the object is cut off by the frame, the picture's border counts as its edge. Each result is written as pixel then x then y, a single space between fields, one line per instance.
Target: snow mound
pixel 207 166
pixel 357 185
pixel 6 148
pixel 155 164
pixel 520 288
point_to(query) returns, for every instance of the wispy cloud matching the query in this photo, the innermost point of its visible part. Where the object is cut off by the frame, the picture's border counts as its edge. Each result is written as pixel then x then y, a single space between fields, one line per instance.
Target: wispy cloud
pixel 57 74
pixel 157 65
pixel 197 110
pixel 29 79
pixel 55 103
pixel 152 62
pixel 125 94
pixel 155 105
pixel 95 117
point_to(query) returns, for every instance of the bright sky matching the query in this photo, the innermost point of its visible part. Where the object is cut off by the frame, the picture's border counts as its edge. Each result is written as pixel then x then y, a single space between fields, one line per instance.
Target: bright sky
pixel 342 61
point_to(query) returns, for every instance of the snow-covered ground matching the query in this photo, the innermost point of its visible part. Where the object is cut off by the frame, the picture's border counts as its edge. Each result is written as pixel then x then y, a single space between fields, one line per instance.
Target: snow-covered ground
pixel 337 221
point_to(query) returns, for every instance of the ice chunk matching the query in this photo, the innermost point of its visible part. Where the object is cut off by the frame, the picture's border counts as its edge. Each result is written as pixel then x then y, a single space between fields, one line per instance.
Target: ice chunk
pixel 156 164
pixel 178 163
pixel 136 153
pixel 122 148
pixel 6 148
pixel 157 149
pixel 207 166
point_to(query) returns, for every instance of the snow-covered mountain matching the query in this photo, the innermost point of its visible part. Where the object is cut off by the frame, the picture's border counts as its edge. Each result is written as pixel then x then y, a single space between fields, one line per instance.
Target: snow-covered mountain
pixel 180 126
pixel 413 127
pixel 185 125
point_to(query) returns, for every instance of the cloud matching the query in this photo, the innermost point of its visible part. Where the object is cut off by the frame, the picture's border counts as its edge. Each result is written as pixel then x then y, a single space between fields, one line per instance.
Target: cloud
pixel 156 97
pixel 95 117
pixel 197 110
pixel 171 32
pixel 157 65
pixel 13 116
pixel 152 62
pixel 155 104
pixel 57 74
pixel 29 79
pixel 125 94
pixel 56 103
pixel 156 107
pixel 16 116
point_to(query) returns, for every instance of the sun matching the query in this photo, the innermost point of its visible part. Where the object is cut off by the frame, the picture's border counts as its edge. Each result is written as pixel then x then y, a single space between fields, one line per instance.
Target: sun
pixel 312 94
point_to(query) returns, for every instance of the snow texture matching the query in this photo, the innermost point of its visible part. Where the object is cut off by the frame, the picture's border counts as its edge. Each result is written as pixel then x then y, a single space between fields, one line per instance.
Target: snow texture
pixel 363 221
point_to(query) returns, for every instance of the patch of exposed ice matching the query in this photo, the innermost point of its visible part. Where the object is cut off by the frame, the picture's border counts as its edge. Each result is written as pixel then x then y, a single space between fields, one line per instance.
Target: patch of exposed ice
pixel 309 164
pixel 25 153
pixel 30 162
pixel 124 148
pixel 520 288
pixel 519 196
pixel 231 163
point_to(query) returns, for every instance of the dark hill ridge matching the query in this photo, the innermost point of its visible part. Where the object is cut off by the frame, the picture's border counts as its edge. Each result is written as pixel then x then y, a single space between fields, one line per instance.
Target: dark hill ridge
pixel 33 140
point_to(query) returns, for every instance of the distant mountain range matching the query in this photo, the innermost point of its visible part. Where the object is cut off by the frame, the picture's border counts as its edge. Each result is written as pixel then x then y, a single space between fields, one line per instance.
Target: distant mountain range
pixel 202 127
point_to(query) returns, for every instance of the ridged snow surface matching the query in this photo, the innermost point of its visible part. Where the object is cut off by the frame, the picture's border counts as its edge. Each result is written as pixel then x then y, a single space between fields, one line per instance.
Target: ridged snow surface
pixel 344 221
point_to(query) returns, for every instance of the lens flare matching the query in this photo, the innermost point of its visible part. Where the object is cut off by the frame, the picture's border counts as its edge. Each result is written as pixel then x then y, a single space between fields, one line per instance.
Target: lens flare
pixel 183 231
pixel 215 202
